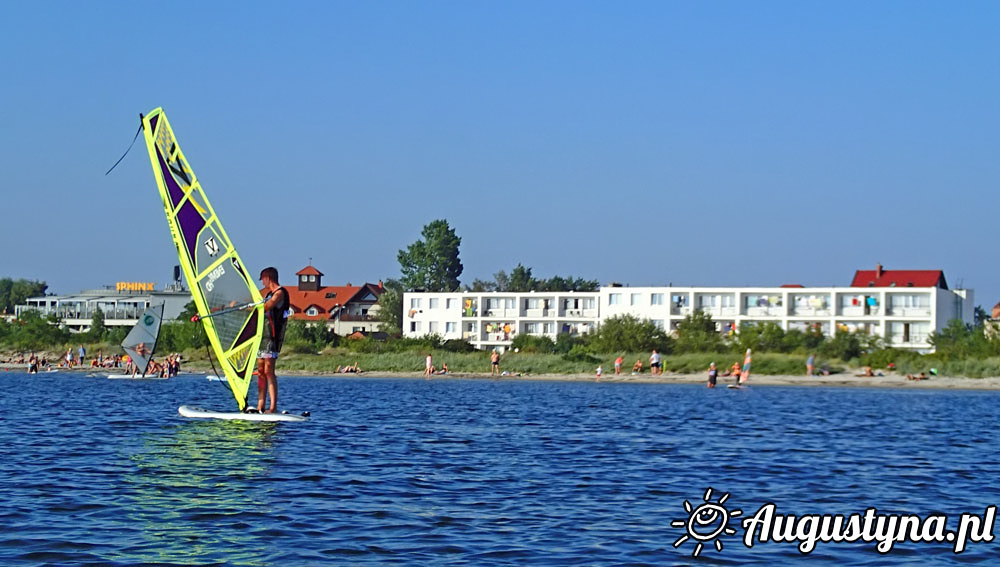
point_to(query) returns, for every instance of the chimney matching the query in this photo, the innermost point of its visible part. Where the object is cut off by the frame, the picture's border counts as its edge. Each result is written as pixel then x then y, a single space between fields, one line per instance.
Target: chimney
pixel 380 286
pixel 878 271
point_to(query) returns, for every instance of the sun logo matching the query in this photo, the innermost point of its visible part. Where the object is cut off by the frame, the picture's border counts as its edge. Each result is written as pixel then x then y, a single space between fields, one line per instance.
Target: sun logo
pixel 706 522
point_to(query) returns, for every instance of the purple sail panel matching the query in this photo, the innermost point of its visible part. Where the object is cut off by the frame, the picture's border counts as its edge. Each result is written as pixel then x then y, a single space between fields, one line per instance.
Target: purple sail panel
pixel 249 331
pixel 190 222
pixel 175 191
pixel 152 123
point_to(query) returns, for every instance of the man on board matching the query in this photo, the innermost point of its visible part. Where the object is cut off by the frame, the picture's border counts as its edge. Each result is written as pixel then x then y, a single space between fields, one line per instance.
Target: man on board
pixel 275 308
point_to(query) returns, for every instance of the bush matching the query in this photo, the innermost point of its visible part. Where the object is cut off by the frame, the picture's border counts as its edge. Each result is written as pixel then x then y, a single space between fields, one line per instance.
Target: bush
pixel 696 333
pixel 529 343
pixel 579 354
pixel 457 345
pixel 627 333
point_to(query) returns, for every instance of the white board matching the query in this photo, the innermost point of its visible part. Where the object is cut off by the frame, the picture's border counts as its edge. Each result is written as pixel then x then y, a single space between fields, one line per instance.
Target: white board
pixel 199 413
pixel 136 377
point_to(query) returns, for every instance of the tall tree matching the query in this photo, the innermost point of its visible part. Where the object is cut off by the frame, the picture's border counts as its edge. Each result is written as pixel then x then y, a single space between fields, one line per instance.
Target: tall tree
pixel 432 264
pixel 15 292
pixel 390 307
pixel 521 280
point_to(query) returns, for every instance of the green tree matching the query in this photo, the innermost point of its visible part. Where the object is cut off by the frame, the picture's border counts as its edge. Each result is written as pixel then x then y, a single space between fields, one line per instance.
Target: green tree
pixel 767 336
pixel 501 281
pixel 524 342
pixel 697 333
pixel 557 283
pixel 627 333
pixel 959 341
pixel 390 307
pixel 521 280
pixel 97 330
pixel 34 332
pixel 15 292
pixel 432 264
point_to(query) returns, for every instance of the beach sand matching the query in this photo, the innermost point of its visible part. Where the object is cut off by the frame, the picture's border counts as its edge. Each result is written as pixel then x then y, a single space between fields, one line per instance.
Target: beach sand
pixel 834 380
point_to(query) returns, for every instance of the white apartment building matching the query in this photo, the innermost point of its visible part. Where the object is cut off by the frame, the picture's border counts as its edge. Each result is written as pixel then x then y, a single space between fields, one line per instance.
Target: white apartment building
pixel 904 316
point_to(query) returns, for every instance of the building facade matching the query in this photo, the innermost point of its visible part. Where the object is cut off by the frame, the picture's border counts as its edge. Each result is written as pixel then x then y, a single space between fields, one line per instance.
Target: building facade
pixel 344 309
pixel 901 312
pixel 121 304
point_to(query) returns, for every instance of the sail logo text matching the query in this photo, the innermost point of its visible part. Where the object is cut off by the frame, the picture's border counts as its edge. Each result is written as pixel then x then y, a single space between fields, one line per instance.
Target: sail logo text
pixel 212 276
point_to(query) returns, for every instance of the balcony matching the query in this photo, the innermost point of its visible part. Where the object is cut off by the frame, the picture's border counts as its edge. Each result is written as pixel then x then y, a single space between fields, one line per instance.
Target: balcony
pixel 908 311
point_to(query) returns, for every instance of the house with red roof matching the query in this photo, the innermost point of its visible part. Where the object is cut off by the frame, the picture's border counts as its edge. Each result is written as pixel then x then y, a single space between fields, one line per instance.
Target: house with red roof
pixel 880 277
pixel 344 309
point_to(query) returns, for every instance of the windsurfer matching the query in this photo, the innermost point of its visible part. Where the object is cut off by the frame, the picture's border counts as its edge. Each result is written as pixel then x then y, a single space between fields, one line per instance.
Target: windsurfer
pixel 275 307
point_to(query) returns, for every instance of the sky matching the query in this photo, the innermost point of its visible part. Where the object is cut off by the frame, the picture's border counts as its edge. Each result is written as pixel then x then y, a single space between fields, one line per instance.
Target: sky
pixel 648 143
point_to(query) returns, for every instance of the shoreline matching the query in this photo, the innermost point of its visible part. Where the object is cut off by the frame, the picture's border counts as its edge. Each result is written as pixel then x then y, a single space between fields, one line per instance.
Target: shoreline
pixel 833 380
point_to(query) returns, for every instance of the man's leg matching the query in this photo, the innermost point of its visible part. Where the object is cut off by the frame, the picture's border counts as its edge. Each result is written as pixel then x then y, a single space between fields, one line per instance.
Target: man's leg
pixel 261 383
pixel 272 384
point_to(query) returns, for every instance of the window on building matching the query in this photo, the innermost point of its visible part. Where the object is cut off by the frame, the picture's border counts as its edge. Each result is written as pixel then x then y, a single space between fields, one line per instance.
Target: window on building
pixel 449 327
pixel 449 303
pixel 414 327
pixel 547 328
pixel 312 312
pixel 432 327
pixel 589 303
pixel 312 278
pixel 533 303
pixel 432 303
pixel 414 303
pixel 614 299
pixel 636 299
pixel 656 299
pixel 509 303
pixel 531 328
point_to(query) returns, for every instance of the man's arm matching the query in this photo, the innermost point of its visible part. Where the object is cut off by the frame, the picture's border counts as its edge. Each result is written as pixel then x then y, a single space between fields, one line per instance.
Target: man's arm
pixel 275 298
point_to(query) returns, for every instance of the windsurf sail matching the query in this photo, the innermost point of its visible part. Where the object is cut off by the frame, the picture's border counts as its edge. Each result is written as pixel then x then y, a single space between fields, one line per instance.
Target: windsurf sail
pixel 214 272
pixel 140 343
pixel 745 373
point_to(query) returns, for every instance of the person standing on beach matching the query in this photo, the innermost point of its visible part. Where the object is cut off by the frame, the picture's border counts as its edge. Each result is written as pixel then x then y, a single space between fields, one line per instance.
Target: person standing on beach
pixel 713 375
pixel 83 354
pixel 618 365
pixel 428 366
pixel 495 363
pixel 275 309
pixel 810 364
pixel 654 363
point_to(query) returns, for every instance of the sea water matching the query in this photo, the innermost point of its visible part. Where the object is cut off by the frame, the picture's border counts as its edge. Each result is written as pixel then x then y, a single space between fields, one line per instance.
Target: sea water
pixel 478 472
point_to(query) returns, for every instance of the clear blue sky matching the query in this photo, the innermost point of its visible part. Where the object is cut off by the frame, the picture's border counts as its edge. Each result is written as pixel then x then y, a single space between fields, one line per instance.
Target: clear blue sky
pixel 698 143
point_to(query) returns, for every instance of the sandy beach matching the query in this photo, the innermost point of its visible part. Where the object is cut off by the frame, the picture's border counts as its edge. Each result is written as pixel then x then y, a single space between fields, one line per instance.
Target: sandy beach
pixel 834 380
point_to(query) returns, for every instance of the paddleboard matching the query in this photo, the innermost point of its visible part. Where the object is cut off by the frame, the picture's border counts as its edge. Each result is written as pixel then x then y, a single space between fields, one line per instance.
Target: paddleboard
pixel 136 377
pixel 199 413
pixel 212 378
pixel 734 387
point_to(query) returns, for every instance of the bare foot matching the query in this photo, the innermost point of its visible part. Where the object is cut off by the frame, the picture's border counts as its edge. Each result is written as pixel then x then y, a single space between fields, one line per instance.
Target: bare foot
pixel 272 410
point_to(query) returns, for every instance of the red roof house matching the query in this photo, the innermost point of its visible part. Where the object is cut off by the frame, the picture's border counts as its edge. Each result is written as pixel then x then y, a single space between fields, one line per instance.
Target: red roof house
pixel 313 301
pixel 899 278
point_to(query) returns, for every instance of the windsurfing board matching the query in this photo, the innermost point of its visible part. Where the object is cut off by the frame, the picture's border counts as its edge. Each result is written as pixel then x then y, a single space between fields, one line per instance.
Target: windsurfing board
pixel 199 413
pixel 734 387
pixel 136 377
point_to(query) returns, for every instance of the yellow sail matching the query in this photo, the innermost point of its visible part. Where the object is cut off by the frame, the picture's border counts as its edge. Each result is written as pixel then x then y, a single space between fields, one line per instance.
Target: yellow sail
pixel 214 272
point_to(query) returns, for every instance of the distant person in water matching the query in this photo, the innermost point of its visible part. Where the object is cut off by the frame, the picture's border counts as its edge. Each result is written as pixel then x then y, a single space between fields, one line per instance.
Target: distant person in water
pixel 275 309
pixel 713 375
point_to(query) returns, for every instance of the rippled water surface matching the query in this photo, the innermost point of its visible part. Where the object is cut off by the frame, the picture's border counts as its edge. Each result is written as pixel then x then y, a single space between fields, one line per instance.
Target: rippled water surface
pixel 456 472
